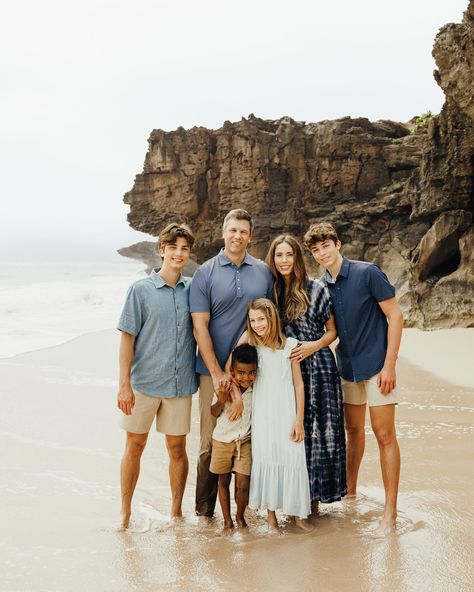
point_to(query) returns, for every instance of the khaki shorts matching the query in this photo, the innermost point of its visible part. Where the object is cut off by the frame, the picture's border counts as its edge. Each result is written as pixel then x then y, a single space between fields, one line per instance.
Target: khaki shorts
pixel 367 391
pixel 173 415
pixel 225 457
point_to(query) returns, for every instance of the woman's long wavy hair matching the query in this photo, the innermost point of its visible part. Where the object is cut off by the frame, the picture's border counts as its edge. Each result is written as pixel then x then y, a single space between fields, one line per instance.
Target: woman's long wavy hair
pixel 292 300
pixel 274 338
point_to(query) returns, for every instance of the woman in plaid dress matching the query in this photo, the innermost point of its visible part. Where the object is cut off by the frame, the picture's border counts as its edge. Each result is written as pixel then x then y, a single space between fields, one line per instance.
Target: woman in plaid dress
pixel 305 308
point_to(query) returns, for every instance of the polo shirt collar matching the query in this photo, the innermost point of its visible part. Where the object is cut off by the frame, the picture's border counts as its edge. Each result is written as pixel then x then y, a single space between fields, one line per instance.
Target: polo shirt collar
pixel 343 272
pixel 224 260
pixel 159 281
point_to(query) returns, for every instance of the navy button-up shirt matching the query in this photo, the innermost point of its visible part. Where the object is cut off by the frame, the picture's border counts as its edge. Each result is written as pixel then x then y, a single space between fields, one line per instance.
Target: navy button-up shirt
pixel 165 350
pixel 224 290
pixel 361 323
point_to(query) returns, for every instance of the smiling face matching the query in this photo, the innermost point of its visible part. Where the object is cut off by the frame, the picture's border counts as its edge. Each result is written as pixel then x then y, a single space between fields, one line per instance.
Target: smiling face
pixel 326 253
pixel 244 374
pixel 284 259
pixel 258 322
pixel 175 255
pixel 236 235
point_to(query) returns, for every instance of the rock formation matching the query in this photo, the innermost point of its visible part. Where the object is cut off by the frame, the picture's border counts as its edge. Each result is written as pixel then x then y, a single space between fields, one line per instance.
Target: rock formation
pixel 400 195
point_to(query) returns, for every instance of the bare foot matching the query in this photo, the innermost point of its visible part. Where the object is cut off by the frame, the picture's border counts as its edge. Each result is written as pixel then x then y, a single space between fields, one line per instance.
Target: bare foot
pixel 386 526
pixel 303 524
pixel 125 522
pixel 228 527
pixel 175 520
pixel 272 520
pixel 241 522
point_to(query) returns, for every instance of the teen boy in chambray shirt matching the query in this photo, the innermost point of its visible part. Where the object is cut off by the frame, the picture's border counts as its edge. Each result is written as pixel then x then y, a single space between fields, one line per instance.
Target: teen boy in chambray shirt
pixel 369 325
pixel 157 366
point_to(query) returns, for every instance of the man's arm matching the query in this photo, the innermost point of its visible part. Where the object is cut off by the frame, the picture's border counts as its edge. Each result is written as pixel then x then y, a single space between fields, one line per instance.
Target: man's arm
pixel 206 348
pixel 387 378
pixel 125 396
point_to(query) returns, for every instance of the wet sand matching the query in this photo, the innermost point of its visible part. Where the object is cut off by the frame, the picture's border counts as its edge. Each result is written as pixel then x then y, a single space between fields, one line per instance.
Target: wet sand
pixel 61 448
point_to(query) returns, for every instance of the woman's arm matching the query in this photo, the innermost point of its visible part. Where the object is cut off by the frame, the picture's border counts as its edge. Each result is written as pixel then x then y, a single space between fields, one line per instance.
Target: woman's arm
pixel 297 431
pixel 307 348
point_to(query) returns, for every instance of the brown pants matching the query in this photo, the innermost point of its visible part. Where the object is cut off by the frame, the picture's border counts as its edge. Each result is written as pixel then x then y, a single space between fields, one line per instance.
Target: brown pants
pixel 206 482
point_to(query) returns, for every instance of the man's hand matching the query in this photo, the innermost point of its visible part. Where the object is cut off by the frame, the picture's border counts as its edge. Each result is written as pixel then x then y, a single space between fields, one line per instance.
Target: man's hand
pixel 220 380
pixel 126 399
pixel 387 380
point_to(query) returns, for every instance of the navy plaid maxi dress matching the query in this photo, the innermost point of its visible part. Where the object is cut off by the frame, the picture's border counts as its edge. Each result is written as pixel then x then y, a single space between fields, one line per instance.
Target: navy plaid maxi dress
pixel 324 411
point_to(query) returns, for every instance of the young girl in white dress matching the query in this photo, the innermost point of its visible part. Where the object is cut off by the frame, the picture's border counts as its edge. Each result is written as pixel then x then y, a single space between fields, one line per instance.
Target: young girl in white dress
pixel 279 477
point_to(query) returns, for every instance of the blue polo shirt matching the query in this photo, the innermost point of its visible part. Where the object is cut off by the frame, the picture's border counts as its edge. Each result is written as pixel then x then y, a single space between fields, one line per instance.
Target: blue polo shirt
pixel 165 349
pixel 361 324
pixel 224 290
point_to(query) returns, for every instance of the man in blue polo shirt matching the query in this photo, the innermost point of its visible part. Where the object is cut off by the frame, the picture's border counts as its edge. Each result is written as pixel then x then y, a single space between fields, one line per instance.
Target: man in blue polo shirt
pixel 369 326
pixel 220 293
pixel 157 367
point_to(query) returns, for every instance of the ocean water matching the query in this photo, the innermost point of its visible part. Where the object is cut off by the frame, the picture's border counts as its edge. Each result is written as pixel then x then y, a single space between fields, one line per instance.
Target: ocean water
pixel 45 304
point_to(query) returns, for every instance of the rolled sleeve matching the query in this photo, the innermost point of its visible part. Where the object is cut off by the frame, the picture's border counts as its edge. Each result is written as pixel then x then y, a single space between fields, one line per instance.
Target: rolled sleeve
pixel 378 284
pixel 131 318
pixel 199 300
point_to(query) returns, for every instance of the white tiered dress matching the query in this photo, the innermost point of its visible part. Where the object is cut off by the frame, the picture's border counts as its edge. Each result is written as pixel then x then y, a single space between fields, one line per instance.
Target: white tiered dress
pixel 279 477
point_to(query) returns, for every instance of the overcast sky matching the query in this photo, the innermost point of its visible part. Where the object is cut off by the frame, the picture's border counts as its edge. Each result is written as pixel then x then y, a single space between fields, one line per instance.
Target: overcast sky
pixel 84 83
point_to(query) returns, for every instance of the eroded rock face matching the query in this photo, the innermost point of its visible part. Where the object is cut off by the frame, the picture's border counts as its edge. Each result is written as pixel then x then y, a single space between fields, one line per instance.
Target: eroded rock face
pixel 399 197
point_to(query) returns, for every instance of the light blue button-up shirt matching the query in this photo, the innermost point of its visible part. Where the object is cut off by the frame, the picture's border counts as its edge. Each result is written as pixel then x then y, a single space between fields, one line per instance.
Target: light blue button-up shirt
pixel 165 350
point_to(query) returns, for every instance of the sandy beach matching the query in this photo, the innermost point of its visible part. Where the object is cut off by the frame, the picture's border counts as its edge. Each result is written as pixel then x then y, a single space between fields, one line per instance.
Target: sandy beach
pixel 61 449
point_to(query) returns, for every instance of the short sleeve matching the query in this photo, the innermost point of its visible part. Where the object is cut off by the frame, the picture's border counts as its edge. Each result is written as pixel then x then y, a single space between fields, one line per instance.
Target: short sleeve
pixel 291 343
pixel 379 285
pixel 131 319
pixel 199 300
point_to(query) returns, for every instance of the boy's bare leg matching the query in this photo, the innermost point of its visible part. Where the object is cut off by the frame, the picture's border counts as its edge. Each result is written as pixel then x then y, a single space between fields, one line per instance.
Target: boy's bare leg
pixel 383 424
pixel 178 471
pixel 129 472
pixel 355 431
pixel 241 498
pixel 224 499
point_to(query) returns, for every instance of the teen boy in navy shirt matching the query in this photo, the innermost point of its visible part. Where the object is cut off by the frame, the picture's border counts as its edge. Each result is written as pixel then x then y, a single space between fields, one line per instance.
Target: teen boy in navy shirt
pixel 369 325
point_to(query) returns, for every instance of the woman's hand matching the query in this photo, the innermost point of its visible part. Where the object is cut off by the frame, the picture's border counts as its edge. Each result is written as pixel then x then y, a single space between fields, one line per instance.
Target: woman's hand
pixel 303 349
pixel 297 431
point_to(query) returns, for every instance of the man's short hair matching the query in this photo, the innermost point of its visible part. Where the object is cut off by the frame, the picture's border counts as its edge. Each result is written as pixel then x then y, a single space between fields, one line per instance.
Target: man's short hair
pixel 170 234
pixel 238 214
pixel 320 232
pixel 245 354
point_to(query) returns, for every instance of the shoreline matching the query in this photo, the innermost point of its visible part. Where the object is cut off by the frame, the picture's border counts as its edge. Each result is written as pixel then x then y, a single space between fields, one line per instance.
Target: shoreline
pixel 453 367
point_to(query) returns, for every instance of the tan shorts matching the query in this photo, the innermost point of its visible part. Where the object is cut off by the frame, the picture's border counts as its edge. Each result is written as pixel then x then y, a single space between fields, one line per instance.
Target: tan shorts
pixel 367 391
pixel 225 458
pixel 173 415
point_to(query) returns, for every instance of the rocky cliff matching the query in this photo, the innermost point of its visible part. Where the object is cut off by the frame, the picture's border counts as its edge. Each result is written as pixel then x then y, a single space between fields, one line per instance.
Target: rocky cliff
pixel 401 195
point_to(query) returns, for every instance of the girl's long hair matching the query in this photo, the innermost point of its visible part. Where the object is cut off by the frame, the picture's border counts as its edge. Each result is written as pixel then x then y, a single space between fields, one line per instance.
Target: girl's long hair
pixel 274 338
pixel 292 300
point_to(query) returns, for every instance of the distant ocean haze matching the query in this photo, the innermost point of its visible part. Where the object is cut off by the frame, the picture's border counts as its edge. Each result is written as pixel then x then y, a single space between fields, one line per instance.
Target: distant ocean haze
pixel 45 304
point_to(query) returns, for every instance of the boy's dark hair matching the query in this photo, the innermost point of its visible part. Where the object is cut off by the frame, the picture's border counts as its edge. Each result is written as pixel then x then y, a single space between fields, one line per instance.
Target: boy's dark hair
pixel 238 214
pixel 170 234
pixel 320 232
pixel 245 354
